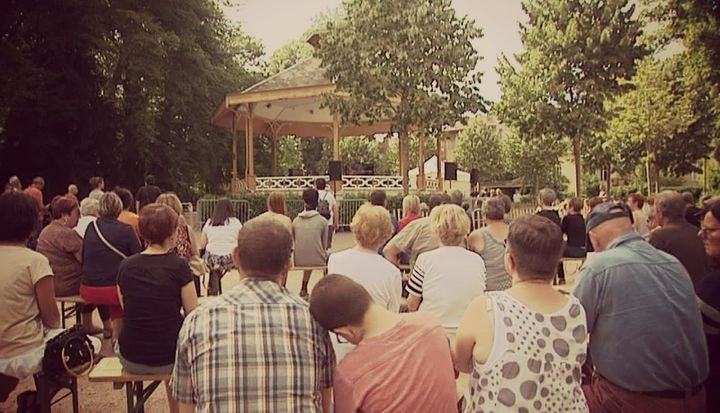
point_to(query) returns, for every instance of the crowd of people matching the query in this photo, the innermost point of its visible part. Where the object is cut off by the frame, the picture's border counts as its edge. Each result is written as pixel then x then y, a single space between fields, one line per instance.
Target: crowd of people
pixel 476 326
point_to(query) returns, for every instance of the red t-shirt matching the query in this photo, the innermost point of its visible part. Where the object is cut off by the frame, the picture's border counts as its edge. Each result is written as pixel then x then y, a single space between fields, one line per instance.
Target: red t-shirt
pixel 408 219
pixel 36 194
pixel 406 369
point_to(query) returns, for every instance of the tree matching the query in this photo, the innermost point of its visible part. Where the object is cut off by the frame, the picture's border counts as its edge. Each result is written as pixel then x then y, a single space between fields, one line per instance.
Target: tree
pixel 412 62
pixel 127 89
pixel 479 147
pixel 535 161
pixel 657 116
pixel 576 54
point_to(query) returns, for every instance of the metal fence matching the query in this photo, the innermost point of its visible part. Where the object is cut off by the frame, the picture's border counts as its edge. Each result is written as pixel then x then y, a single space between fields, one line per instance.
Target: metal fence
pixel 205 208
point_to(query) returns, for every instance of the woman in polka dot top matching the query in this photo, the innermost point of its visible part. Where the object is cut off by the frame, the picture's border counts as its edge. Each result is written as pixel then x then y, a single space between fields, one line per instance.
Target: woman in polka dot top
pixel 525 346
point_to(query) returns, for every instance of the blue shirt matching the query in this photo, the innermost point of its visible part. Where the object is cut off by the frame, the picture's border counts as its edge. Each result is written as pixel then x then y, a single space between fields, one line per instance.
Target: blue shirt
pixel 645 326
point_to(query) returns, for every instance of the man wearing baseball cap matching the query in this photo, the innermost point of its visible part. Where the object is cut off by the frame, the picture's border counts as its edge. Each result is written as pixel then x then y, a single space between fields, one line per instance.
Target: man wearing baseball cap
pixel 646 334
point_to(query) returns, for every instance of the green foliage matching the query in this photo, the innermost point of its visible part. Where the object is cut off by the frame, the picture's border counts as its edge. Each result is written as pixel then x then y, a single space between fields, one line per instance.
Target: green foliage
pixel 536 161
pixel 576 53
pixel 118 89
pixel 479 147
pixel 591 185
pixel 412 62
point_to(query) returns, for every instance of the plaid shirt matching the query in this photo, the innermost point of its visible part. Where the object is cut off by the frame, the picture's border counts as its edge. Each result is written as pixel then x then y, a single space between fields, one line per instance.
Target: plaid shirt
pixel 254 349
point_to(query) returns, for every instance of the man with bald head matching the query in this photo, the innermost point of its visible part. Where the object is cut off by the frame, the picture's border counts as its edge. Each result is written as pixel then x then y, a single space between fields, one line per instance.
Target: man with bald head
pixel 678 237
pixel 646 334
pixel 255 348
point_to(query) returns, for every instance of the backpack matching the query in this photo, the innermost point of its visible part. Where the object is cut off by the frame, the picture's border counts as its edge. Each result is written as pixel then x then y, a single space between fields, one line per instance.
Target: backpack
pixel 323 207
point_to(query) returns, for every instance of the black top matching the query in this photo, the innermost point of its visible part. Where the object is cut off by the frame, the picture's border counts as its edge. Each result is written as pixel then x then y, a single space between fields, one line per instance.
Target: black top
pixel 552 215
pixel 692 215
pixel 150 287
pixel 680 239
pixel 100 263
pixel 708 293
pixel 573 226
pixel 147 194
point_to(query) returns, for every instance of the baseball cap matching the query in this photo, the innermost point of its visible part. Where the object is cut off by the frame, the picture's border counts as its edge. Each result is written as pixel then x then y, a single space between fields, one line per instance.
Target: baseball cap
pixel 605 212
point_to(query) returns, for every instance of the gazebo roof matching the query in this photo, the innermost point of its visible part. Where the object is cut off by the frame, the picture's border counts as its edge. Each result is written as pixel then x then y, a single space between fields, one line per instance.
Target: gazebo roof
pixel 290 103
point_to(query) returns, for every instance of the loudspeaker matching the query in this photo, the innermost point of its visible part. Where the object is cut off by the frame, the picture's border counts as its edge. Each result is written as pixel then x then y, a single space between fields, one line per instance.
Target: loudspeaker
pixel 335 170
pixel 474 176
pixel 450 171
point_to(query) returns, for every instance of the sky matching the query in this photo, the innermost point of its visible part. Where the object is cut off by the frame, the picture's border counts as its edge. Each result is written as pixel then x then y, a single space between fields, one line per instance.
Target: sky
pixel 275 22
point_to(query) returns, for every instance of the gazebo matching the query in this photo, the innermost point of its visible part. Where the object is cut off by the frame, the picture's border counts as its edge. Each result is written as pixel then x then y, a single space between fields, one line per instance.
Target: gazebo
pixel 289 104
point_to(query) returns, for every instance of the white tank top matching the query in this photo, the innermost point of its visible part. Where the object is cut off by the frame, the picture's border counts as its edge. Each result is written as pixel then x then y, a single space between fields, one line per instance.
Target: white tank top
pixel 535 362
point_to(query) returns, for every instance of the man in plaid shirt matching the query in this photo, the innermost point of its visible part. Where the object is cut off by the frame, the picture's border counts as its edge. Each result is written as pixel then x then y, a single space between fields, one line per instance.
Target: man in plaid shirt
pixel 256 348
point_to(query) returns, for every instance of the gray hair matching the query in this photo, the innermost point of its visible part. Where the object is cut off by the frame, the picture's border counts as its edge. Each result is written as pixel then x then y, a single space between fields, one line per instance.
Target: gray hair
pixel 89 206
pixel 456 197
pixel 671 205
pixel 494 209
pixel 110 205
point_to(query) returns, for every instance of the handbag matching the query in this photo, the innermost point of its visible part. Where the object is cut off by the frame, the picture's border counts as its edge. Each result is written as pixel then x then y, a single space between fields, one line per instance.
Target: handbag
pixel 106 242
pixel 70 352
pixel 197 266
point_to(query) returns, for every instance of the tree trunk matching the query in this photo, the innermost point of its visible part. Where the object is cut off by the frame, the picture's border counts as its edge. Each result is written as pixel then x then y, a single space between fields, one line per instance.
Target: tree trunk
pixel 647 172
pixel 404 171
pixel 578 165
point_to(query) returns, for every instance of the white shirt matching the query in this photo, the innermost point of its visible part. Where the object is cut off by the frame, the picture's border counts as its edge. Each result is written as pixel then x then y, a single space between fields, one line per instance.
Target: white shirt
pixel 83 223
pixel 324 195
pixel 641 222
pixel 447 279
pixel 380 278
pixel 222 239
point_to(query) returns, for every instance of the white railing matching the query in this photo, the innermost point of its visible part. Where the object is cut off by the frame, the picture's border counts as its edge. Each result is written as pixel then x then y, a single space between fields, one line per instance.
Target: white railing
pixel 431 184
pixel 350 182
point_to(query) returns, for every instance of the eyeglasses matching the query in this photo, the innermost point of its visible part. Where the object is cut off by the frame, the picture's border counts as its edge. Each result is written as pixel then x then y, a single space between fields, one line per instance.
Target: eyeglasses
pixel 339 338
pixel 704 231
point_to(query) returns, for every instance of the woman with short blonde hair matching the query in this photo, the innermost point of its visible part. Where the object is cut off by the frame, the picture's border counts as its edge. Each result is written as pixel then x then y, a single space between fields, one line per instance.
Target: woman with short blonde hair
pixel 371 226
pixel 444 281
pixel 411 211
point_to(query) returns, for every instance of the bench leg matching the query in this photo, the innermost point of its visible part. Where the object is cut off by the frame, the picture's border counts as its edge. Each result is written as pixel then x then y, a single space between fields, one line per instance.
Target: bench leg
pixel 62 314
pixel 78 320
pixel 75 396
pixel 137 395
pixel 130 395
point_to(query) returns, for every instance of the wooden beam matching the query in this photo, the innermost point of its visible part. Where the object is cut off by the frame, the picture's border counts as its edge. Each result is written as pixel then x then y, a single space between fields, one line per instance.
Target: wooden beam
pixel 421 164
pixel 281 94
pixel 336 137
pixel 235 182
pixel 274 161
pixel 250 136
pixel 440 158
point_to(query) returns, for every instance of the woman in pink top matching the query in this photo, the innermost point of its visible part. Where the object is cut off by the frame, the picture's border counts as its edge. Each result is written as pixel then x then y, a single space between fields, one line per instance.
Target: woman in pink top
pixel 411 211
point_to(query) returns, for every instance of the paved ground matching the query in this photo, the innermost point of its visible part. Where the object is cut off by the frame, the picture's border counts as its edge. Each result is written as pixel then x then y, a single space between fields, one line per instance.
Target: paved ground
pixel 101 397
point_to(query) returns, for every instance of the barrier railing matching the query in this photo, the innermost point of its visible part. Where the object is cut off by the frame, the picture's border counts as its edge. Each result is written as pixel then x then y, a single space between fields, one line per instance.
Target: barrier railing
pixel 349 182
pixel 205 208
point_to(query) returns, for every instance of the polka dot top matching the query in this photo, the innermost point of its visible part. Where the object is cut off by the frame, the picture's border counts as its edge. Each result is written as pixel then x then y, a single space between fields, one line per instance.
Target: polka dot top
pixel 535 362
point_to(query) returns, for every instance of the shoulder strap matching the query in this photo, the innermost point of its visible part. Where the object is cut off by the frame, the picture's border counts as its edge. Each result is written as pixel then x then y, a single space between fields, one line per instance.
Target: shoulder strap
pixel 106 242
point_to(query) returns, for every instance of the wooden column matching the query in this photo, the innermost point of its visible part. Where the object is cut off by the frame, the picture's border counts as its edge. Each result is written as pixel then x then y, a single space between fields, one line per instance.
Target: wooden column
pixel 421 164
pixel 273 165
pixel 337 185
pixel 336 137
pixel 250 139
pixel 440 159
pixel 235 182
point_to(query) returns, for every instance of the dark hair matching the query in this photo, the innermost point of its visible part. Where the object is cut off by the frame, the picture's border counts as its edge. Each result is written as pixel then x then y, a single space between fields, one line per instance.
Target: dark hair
pixel 63 205
pixel 338 301
pixel 95 181
pixel 378 197
pixel 445 199
pixel 223 211
pixel 18 216
pixel 536 245
pixel 126 197
pixel 310 197
pixel 638 198
pixel 576 204
pixel 435 200
pixel 507 202
pixel 265 247
pixel 158 222
pixel 150 180
pixel 320 184
pixel 456 197
pixel 688 197
pixel 593 202
pixel 714 209
pixel 671 204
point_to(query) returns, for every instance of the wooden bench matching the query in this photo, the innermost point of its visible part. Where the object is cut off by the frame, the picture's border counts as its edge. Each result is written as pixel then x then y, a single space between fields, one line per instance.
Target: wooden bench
pixel 71 310
pixel 322 268
pixel 109 370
